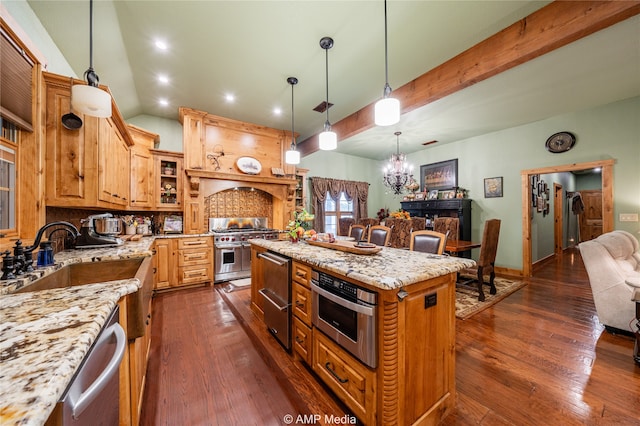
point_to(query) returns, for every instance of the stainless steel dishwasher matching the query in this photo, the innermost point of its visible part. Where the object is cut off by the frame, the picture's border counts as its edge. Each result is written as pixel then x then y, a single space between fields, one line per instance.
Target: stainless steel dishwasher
pixel 276 272
pixel 92 397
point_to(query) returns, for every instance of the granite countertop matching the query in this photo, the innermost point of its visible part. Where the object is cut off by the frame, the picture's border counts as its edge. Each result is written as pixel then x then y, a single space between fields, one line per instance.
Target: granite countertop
pixel 388 269
pixel 130 249
pixel 45 335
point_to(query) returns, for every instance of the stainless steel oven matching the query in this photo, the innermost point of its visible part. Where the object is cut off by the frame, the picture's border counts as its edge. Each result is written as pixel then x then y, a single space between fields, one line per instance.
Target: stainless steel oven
pixel 347 314
pixel 232 251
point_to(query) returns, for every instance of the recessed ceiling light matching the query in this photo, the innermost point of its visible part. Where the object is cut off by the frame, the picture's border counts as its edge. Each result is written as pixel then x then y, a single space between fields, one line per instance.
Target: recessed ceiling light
pixel 163 102
pixel 277 111
pixel 161 45
pixel 163 79
pixel 229 97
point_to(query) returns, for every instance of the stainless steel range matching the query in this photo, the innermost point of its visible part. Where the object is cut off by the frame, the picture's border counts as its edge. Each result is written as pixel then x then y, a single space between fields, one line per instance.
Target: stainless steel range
pixel 232 250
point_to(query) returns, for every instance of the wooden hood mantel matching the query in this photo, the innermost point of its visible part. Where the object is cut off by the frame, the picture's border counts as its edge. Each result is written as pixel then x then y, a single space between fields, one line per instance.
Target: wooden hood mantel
pixel 194 177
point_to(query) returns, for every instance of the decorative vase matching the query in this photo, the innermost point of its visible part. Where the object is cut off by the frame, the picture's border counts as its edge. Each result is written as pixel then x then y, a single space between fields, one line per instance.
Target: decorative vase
pixel 293 239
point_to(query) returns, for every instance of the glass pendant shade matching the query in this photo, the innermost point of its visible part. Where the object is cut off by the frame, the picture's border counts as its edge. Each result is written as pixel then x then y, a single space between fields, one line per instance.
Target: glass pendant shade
pixel 328 140
pixel 292 156
pixel 91 101
pixel 387 112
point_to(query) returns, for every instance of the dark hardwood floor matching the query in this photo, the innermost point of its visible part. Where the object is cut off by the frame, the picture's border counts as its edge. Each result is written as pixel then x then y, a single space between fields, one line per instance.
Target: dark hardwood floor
pixel 537 357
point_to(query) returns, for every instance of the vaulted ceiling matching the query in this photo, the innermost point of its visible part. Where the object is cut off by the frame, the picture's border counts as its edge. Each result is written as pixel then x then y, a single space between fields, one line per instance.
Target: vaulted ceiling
pixel 249 48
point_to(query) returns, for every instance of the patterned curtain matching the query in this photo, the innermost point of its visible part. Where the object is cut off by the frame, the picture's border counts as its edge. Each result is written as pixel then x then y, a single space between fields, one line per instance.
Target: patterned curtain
pixel 357 192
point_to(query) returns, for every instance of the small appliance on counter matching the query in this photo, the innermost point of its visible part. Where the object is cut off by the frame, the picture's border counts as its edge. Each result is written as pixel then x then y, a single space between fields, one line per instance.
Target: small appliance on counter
pixel 99 230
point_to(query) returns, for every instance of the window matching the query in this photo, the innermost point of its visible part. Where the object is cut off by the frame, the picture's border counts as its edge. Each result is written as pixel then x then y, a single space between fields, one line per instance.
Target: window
pixel 7 187
pixel 334 211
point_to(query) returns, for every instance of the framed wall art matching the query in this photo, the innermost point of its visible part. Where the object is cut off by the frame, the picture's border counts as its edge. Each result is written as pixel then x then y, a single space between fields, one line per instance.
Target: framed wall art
pixel 493 187
pixel 447 195
pixel 441 175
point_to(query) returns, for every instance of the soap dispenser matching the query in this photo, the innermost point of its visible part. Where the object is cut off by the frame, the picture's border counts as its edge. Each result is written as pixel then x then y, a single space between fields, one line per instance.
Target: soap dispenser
pixel 45 254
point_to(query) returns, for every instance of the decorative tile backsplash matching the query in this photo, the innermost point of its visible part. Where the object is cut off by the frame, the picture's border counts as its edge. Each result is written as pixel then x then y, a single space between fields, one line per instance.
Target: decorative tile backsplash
pixel 242 202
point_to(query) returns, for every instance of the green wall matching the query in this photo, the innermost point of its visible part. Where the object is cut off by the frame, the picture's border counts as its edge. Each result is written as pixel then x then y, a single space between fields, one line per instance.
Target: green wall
pixel 606 132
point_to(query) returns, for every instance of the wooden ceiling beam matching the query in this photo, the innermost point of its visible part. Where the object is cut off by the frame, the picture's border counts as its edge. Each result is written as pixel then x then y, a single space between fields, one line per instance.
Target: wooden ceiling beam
pixel 555 25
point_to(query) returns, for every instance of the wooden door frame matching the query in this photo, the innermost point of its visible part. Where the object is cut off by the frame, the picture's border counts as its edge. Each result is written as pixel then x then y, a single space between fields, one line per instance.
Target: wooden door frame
pixel 607 201
pixel 558 221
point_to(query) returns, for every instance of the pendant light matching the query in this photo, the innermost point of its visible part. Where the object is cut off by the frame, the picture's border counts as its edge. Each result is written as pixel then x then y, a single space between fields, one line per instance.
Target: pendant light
pixel 328 139
pixel 89 99
pixel 292 156
pixel 387 109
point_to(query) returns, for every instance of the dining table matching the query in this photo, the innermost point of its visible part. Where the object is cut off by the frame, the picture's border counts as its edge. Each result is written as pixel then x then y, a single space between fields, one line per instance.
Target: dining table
pixel 457 246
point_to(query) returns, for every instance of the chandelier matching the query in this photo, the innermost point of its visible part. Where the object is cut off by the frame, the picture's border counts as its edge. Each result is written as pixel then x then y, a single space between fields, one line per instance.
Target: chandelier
pixel 398 173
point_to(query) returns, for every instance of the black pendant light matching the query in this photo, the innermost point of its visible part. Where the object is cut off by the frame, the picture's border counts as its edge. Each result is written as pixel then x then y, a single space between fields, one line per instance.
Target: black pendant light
pixel 328 139
pixel 89 99
pixel 387 109
pixel 292 156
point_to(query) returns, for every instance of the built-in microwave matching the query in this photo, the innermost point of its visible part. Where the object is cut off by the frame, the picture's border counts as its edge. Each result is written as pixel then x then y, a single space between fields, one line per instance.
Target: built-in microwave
pixel 347 314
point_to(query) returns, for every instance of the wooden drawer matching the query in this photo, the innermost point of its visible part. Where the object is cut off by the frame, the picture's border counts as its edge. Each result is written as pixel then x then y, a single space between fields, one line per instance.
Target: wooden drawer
pixel 352 381
pixel 302 340
pixel 195 274
pixel 301 297
pixel 187 243
pixel 301 273
pixel 189 257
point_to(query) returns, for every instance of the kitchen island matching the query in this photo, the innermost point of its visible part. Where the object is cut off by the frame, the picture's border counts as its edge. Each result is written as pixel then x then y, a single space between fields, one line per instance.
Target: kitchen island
pixel 414 380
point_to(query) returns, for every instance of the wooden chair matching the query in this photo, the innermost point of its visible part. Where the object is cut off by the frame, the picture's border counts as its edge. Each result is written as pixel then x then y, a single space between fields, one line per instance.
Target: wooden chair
pixel 427 242
pixel 487 258
pixel 344 225
pixel 451 224
pixel 379 235
pixel 358 232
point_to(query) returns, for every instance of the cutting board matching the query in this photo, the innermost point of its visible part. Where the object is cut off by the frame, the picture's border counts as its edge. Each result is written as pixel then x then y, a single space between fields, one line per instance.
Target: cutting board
pixel 346 246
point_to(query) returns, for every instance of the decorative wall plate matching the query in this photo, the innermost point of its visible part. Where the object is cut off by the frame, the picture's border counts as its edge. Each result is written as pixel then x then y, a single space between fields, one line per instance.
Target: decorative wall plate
pixel 249 165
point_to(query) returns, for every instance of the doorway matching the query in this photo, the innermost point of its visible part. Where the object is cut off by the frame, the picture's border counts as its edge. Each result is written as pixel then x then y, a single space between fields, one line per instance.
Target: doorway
pixel 607 201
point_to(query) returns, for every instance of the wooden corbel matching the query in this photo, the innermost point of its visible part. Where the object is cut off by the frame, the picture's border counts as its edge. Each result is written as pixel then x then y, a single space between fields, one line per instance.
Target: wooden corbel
pixel 194 185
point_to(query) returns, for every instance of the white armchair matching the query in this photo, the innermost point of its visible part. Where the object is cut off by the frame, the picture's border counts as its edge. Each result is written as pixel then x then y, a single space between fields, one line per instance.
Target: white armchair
pixel 613 264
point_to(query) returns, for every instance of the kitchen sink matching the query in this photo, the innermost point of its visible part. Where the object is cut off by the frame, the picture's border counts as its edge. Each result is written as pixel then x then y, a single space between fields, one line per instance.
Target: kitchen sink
pixel 75 274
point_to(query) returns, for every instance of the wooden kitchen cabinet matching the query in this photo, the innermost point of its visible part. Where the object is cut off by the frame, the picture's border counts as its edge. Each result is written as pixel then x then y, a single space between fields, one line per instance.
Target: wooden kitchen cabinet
pixel 195 260
pixel 165 263
pixel 302 310
pixel 142 190
pixel 139 347
pixel 86 167
pixel 352 381
pixel 169 173
pixel 302 340
pixel 113 165
pixel 257 281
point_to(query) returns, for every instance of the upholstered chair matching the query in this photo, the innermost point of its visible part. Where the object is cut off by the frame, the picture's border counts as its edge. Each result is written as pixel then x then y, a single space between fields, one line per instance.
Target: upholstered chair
pixel 612 261
pixel 344 224
pixel 369 221
pixel 358 232
pixel 449 226
pixel 486 260
pixel 379 235
pixel 427 241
